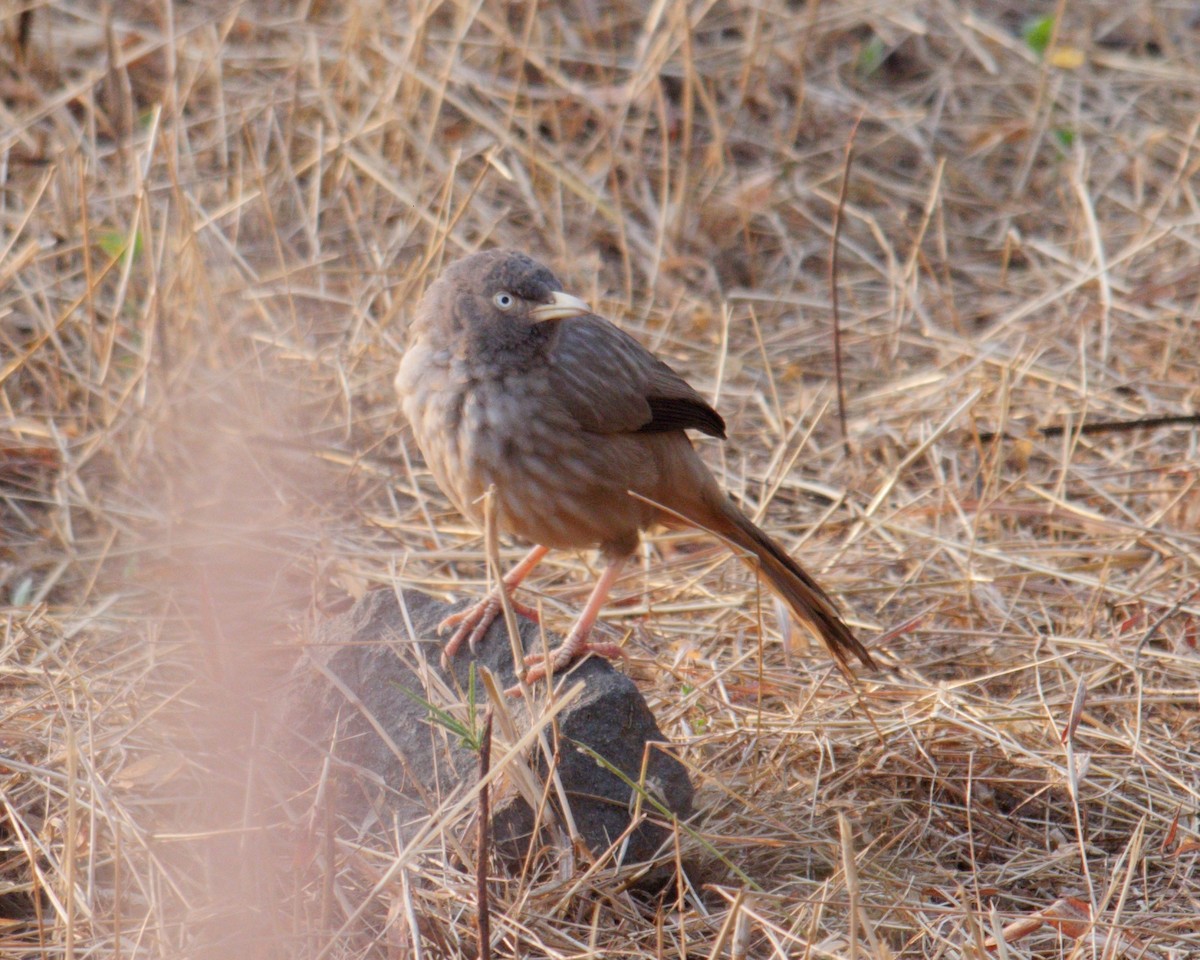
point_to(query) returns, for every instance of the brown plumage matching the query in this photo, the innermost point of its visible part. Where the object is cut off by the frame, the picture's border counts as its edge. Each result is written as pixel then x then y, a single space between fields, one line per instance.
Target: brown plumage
pixel 508 381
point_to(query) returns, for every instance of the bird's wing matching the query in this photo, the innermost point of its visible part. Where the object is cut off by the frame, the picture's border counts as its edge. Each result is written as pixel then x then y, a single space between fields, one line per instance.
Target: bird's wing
pixel 610 383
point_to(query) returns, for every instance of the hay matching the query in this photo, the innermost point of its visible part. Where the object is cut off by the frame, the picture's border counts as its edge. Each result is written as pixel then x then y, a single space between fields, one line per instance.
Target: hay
pixel 214 222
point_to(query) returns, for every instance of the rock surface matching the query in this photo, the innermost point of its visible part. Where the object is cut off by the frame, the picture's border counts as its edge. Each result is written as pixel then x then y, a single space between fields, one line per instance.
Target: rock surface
pixel 356 707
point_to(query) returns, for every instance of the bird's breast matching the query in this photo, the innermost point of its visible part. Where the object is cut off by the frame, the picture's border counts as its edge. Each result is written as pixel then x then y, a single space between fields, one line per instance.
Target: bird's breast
pixel 555 483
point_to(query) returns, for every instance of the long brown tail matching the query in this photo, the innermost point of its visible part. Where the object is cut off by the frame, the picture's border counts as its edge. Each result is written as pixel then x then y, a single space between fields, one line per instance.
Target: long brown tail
pixel 789 581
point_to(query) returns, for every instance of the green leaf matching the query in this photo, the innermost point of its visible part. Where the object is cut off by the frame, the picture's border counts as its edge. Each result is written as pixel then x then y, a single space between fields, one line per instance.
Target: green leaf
pixel 870 57
pixel 116 243
pixel 22 592
pixel 1065 137
pixel 469 735
pixel 1037 34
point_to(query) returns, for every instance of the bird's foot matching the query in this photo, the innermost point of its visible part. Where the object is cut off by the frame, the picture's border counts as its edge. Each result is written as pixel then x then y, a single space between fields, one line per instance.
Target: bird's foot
pixel 472 623
pixel 571 650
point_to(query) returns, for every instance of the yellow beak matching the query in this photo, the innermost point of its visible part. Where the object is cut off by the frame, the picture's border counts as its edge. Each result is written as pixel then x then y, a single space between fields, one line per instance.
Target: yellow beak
pixel 561 306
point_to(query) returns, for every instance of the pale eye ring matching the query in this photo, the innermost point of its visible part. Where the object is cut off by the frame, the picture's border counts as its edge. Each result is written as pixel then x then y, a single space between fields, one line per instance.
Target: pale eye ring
pixel 504 300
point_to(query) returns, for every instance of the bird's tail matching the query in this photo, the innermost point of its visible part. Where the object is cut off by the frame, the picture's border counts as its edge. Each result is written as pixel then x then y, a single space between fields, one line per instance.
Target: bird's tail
pixel 789 581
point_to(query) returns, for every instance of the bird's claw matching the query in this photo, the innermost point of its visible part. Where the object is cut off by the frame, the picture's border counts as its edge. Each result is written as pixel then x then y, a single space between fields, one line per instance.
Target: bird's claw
pixel 562 657
pixel 473 623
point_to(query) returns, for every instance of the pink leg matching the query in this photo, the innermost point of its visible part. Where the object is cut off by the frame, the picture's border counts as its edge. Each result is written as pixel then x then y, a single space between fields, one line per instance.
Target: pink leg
pixel 576 645
pixel 473 622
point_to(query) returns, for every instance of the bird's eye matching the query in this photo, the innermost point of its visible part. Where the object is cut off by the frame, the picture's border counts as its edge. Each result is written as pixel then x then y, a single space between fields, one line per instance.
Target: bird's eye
pixel 504 300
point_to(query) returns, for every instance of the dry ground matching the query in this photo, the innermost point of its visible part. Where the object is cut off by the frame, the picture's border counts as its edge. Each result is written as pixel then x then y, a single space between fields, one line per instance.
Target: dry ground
pixel 215 219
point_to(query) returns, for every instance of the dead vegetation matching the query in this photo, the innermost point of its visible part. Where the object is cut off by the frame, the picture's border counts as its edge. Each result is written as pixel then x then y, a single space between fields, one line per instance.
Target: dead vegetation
pixel 214 221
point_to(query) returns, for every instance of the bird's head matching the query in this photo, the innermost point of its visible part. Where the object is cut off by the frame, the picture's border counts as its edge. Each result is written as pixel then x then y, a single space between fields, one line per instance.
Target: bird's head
pixel 499 294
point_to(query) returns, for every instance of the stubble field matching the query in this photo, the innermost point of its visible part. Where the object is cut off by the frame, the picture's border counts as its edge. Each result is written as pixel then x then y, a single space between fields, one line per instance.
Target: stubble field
pixel 215 221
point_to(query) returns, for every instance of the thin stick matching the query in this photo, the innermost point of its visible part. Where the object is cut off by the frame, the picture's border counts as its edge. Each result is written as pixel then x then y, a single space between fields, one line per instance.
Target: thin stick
pixel 1110 426
pixel 483 855
pixel 833 282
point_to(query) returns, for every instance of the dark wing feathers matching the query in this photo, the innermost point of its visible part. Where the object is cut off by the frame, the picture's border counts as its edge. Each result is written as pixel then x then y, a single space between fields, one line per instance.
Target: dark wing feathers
pixel 610 383
pixel 681 413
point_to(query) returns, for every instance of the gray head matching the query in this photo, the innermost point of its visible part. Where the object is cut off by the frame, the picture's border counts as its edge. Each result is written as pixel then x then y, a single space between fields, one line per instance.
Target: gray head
pixel 498 294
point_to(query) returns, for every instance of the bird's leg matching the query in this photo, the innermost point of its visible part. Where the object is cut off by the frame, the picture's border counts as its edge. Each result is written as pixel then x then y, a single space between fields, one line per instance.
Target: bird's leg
pixel 576 645
pixel 473 622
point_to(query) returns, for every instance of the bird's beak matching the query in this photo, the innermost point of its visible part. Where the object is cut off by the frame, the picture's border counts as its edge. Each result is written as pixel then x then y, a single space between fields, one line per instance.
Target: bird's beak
pixel 561 306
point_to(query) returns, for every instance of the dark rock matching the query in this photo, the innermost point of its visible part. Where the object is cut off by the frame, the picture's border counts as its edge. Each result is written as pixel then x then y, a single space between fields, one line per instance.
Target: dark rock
pixel 357 706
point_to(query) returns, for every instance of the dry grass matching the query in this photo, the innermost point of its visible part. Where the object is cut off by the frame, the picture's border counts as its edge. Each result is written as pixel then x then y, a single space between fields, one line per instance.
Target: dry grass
pixel 201 453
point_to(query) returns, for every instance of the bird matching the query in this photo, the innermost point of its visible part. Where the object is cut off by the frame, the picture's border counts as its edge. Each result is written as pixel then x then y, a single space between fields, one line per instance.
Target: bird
pixel 513 385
